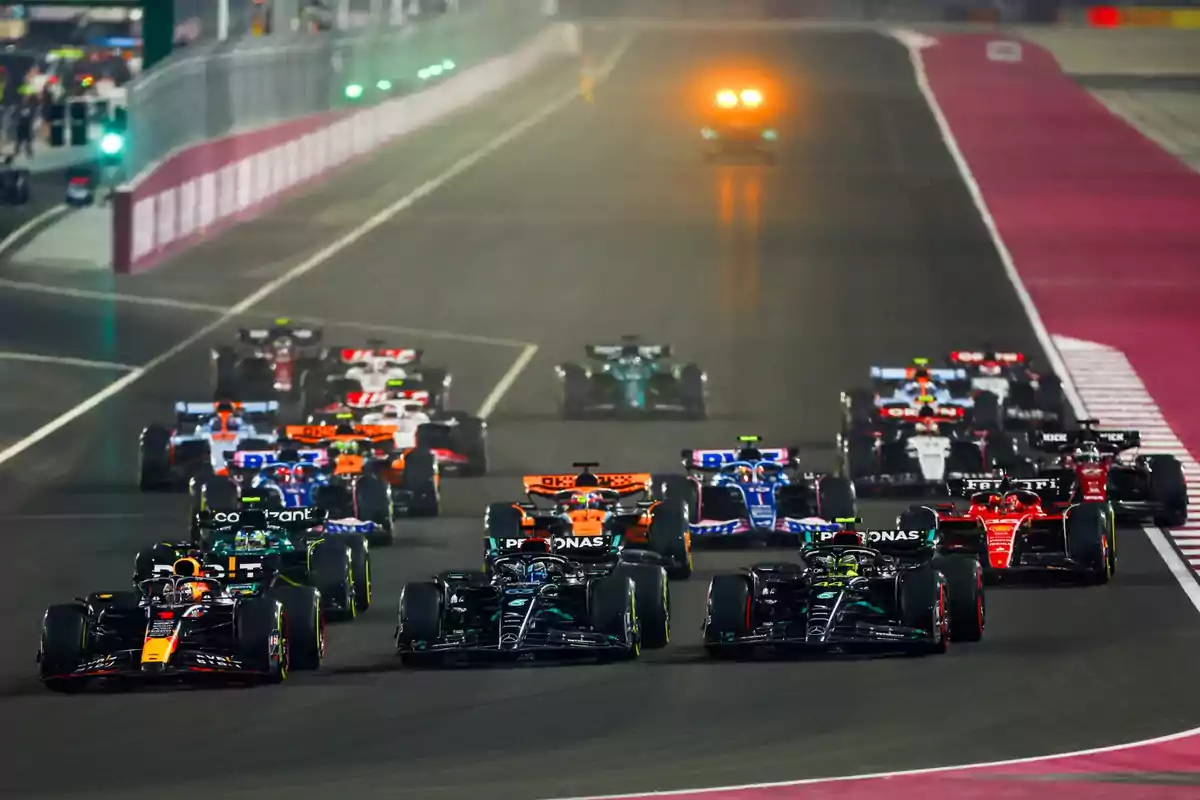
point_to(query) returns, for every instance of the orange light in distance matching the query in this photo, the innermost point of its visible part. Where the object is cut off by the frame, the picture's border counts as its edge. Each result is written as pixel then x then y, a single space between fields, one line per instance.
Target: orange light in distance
pixel 727 98
pixel 751 98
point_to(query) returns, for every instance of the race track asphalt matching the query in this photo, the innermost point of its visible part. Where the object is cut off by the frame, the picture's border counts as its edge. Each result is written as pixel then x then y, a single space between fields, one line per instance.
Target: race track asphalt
pixel 860 246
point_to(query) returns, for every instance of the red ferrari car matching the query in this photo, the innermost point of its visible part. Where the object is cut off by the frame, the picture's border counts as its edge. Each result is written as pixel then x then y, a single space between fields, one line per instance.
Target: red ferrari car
pixel 1018 526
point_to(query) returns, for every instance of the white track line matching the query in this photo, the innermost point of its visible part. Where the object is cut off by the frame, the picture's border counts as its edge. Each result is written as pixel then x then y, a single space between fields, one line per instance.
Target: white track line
pixel 65 361
pixel 15 236
pixel 321 257
pixel 506 381
pixel 898 774
pixel 915 43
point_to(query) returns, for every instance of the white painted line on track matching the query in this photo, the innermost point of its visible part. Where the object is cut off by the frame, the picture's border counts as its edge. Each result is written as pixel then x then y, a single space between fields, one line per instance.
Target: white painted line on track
pixel 506 381
pixel 64 361
pixel 49 214
pixel 1096 751
pixel 915 42
pixel 321 257
pixel 111 297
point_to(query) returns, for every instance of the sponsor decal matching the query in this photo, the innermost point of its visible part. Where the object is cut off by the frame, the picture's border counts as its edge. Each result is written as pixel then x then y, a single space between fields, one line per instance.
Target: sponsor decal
pixel 210 660
pixel 883 536
pixel 271 515
pixel 559 542
pixel 95 664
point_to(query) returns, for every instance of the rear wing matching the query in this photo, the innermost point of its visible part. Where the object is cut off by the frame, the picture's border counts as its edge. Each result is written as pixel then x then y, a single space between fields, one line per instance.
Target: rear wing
pixel 197 412
pixel 313 434
pixel 622 483
pixel 908 413
pixel 375 399
pixel 1113 441
pixel 285 518
pixel 610 351
pixel 362 355
pixel 258 459
pixel 302 336
pixel 974 358
pixel 941 374
pixel 715 459
pixel 965 487
pixel 568 546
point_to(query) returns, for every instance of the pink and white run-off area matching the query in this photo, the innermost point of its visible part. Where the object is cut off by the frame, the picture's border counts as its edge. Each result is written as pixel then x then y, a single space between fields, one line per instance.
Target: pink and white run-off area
pixel 1103 227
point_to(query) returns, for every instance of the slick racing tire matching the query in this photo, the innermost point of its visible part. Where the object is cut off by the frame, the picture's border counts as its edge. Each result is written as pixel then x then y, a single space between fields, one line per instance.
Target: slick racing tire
pixel 1168 490
pixel 965 457
pixel 331 571
pixel 467 437
pixel 836 498
pixel 373 503
pixel 209 493
pixel 1089 539
pixel 419 621
pixel 612 608
pixel 924 603
pixel 63 647
pixel 502 521
pixel 305 625
pixel 987 415
pixel 420 480
pixel 680 488
pixel 360 568
pixel 730 613
pixel 154 459
pixel 670 537
pixel 964 583
pixel 225 384
pixel 653 599
pixel 262 640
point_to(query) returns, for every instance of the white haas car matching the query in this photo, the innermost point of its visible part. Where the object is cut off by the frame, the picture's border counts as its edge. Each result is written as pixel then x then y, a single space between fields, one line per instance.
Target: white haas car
pixel 921 453
pixel 456 439
pixel 365 378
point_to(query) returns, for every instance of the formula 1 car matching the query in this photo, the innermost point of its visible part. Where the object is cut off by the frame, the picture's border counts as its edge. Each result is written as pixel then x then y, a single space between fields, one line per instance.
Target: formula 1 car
pixel 632 380
pixel 368 453
pixel 253 546
pixel 458 440
pixel 739 125
pixel 757 492
pixel 1095 466
pixel 1029 399
pixel 1016 526
pixel 204 436
pixel 180 628
pixel 368 377
pixel 299 478
pixel 535 602
pixel 930 447
pixel 898 393
pixel 588 505
pixel 850 592
pixel 267 362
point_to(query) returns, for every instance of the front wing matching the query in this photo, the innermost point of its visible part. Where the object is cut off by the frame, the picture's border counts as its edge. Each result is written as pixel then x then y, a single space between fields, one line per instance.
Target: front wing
pixel 878 636
pixel 562 643
pixel 190 664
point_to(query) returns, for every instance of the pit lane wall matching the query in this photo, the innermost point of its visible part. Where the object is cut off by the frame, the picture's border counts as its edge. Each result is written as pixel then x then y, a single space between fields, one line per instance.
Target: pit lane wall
pixel 199 192
pixel 1101 222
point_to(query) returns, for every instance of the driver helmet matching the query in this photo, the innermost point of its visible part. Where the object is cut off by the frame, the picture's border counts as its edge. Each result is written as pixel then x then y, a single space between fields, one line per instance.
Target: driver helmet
pixel 536 572
pixel 1013 502
pixel 583 501
pixel 1087 453
pixel 347 447
pixel 378 366
pixel 846 566
pixel 250 540
pixel 305 472
pixel 390 412
pixel 189 592
pixel 228 424
pixel 744 474
pixel 282 475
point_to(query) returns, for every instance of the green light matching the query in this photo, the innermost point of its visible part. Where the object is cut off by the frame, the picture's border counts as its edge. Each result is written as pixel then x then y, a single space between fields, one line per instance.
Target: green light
pixel 112 143
pixel 435 70
pixel 424 74
pixel 770 135
pixel 749 439
pixel 384 85
pixel 708 133
pixel 251 499
pixel 449 65
pixel 920 362
pixel 354 91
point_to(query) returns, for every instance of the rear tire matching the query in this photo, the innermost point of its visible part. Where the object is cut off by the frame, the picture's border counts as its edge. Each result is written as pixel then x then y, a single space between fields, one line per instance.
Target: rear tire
pixel 670 537
pixel 154 459
pixel 964 584
pixel 420 621
pixel 692 393
pixel 836 498
pixel 421 482
pixel 576 392
pixel 1168 489
pixel 924 604
pixel 613 611
pixel 262 640
pixel 373 503
pixel 305 624
pixel 63 647
pixel 1088 540
pixel 653 602
pixel 330 571
pixel 730 613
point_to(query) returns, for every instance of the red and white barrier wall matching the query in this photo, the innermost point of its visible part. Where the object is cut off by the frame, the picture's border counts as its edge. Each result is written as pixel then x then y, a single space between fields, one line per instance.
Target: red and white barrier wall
pixel 202 190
